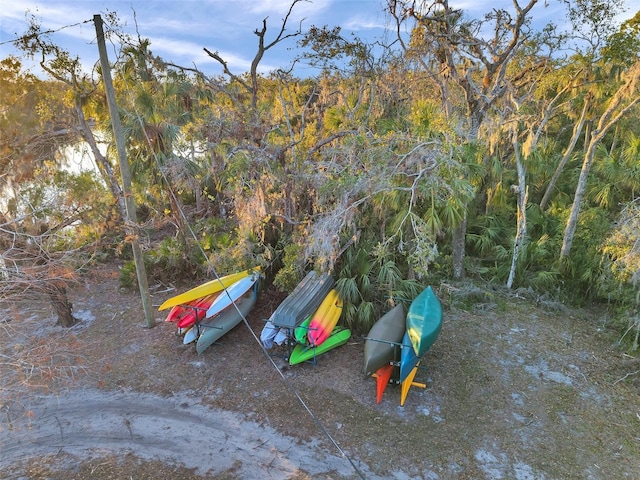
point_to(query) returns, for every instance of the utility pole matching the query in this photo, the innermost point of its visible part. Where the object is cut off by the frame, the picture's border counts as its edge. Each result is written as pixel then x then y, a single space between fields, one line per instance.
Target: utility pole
pixel 131 226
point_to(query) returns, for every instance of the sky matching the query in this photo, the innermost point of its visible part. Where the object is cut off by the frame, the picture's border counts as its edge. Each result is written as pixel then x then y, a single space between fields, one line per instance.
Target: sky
pixel 178 30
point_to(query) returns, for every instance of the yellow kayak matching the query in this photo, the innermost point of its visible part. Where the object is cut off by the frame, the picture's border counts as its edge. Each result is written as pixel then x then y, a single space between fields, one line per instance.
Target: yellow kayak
pixel 205 289
pixel 325 319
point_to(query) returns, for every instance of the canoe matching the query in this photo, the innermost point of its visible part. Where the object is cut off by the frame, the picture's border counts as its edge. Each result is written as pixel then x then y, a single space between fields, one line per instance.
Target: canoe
pixel 231 294
pixel 195 311
pixel 212 330
pixel 408 358
pixel 303 353
pixel 205 289
pixel 325 319
pixel 302 301
pixel 424 321
pixel 382 344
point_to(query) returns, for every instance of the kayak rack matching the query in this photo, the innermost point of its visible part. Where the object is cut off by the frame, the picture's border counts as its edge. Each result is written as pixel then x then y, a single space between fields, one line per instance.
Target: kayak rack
pixel 208 321
pixel 390 374
pixel 289 344
pixel 195 311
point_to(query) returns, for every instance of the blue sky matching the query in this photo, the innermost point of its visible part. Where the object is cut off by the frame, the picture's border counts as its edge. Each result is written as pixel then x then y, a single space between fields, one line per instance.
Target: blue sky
pixel 179 30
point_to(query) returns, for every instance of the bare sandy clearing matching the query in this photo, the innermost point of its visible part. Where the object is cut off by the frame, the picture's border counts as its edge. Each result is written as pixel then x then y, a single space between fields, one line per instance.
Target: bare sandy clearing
pixel 514 391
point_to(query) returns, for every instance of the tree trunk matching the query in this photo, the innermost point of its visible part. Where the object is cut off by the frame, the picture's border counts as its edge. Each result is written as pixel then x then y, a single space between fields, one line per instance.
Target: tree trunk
pixel 103 165
pixel 577 130
pixel 458 248
pixel 572 221
pixel 609 118
pixel 521 223
pixel 62 306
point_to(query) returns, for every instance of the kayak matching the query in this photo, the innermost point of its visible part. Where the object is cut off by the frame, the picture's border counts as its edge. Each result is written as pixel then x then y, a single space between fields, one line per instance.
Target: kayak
pixel 325 319
pixel 211 331
pixel 407 383
pixel 424 321
pixel 231 294
pixel 301 331
pixel 383 376
pixel 191 334
pixel 205 289
pixel 408 358
pixel 175 313
pixel 221 302
pixel 302 301
pixel 195 311
pixel 179 311
pixel 302 353
pixel 382 344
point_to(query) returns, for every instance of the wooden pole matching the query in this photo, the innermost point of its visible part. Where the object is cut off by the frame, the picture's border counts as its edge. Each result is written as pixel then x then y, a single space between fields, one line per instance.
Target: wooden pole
pixel 131 217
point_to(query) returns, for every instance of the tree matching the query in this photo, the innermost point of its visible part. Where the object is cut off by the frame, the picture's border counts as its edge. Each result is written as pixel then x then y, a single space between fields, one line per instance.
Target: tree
pixel 33 132
pixel 34 125
pixel 625 98
pixel 80 90
pixel 456 55
pixel 33 265
pixel 623 247
pixel 40 255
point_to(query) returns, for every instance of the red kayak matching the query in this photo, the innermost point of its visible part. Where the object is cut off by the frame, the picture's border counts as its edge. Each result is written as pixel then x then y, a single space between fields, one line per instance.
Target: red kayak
pixel 196 312
pixel 175 313
pixel 188 314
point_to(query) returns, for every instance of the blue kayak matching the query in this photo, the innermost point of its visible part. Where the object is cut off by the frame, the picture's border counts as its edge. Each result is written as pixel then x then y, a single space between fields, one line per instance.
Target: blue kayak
pixel 408 358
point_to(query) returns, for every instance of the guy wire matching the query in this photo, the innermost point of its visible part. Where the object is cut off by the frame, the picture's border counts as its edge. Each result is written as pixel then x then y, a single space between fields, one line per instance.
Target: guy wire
pixel 288 384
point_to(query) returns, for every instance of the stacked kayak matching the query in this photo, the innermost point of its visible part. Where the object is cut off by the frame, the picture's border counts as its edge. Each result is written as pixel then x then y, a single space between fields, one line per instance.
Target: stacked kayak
pixel 205 313
pixel 307 320
pixel 303 301
pixel 319 332
pixel 212 330
pixel 325 319
pixel 187 314
pixel 395 344
pixel 381 346
pixel 305 353
pixel 213 286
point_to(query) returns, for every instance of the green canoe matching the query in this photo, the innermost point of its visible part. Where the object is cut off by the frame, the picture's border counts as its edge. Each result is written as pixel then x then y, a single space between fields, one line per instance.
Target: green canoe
pixel 424 321
pixel 382 344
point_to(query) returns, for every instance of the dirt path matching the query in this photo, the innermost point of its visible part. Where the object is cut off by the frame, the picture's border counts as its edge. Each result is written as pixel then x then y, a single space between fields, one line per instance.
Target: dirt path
pixel 178 430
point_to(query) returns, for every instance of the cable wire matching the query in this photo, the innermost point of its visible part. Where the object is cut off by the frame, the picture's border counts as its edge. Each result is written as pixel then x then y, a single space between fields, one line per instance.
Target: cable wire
pixel 46 32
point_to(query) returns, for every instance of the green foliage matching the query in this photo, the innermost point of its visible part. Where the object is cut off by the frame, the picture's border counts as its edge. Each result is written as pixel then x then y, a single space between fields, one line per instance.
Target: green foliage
pixel 127 277
pixel 620 281
pixel 375 156
pixel 173 259
pixel 292 271
pixel 583 270
pixel 623 46
pixel 369 287
pixel 427 119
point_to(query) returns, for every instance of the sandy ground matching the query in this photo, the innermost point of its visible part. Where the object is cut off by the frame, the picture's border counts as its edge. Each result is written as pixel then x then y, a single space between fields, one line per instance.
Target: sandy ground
pixel 514 390
pixel 177 430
